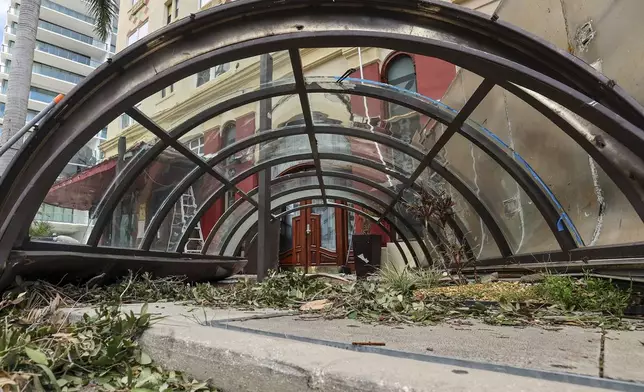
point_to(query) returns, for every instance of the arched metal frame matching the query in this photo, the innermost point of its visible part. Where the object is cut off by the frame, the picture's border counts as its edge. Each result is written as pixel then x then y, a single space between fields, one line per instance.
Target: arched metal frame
pixel 417 237
pixel 534 187
pixel 522 177
pixel 500 53
pixel 363 195
pixel 453 220
pixel 391 231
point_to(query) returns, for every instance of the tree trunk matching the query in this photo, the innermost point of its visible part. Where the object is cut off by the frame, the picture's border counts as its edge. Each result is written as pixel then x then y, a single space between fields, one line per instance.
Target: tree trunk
pixel 20 76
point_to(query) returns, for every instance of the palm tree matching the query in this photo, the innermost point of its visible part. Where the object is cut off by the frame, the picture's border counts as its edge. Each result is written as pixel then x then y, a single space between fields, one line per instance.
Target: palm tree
pixel 15 116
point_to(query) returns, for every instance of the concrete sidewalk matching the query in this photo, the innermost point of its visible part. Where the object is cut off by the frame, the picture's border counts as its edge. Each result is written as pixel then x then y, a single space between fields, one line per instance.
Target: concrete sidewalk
pixel 278 351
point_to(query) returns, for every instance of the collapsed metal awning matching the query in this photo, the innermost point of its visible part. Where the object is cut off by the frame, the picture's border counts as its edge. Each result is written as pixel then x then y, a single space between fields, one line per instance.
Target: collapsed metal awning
pixel 548 81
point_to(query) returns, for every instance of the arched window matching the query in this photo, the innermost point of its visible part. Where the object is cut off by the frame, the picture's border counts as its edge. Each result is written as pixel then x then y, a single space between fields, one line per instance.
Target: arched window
pixel 229 134
pixel 401 72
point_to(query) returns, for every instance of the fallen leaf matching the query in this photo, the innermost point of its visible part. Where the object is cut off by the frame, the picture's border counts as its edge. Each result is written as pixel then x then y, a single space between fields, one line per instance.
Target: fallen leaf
pixel 145 359
pixel 37 356
pixel 315 305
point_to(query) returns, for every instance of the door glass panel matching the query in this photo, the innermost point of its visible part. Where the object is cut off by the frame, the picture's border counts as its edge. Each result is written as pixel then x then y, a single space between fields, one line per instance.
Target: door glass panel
pixel 327 225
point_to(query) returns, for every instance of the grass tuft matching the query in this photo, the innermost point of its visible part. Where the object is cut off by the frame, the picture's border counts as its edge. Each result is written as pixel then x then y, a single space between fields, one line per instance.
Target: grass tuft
pixel 587 294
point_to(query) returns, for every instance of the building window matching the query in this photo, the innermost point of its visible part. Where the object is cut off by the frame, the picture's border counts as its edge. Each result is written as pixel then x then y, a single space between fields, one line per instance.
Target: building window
pixel 168 13
pixel 212 73
pixel 220 69
pixel 68 11
pixel 401 73
pixel 42 95
pixel 229 198
pixel 163 92
pixel 60 52
pixel 229 134
pixel 56 73
pixel 126 121
pixel 50 213
pixel 196 145
pixel 30 115
pixel 176 9
pixel 137 34
pixel 70 33
pixel 102 135
pixel 203 77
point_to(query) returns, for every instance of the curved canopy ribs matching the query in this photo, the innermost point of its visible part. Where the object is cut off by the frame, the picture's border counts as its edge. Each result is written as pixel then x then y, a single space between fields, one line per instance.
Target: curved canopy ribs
pixel 546 79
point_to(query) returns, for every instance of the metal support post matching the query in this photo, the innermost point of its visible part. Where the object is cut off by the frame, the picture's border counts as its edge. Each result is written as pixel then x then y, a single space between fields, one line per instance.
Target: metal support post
pixel 117 215
pixel 266 245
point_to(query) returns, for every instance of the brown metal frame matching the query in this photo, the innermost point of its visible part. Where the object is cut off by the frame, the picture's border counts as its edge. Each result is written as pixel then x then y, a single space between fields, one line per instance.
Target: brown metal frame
pixel 237 30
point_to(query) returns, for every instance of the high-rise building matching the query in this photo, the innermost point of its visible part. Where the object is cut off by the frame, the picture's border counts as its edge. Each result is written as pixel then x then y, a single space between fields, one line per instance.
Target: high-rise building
pixel 67 50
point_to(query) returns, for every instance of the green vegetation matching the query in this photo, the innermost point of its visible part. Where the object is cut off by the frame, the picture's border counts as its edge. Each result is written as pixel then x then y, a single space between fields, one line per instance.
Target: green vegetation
pixel 587 294
pixel 393 296
pixel 406 281
pixel 41 351
pixel 40 229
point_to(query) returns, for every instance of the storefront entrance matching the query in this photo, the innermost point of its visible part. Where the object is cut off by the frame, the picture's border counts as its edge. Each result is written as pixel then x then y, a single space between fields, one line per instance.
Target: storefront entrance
pixel 313 237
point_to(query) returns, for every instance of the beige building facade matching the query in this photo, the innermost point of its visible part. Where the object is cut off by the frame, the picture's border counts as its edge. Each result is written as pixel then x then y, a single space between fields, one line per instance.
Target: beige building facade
pixel 170 106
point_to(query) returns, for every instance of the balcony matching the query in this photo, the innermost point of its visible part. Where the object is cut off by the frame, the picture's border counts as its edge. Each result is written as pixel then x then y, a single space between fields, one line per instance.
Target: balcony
pixel 75 22
pixel 59 36
pixel 33 104
pixel 68 11
pixel 62 36
pixel 52 59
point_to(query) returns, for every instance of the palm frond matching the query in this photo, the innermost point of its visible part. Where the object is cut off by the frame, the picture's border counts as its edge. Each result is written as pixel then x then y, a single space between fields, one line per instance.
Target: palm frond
pixel 103 12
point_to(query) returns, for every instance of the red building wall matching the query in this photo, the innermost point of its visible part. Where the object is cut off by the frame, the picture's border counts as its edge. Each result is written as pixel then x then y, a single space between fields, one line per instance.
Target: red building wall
pixel 245 127
pixel 433 77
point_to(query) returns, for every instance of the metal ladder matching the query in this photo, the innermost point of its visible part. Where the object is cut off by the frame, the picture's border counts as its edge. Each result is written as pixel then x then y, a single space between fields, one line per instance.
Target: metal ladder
pixel 182 214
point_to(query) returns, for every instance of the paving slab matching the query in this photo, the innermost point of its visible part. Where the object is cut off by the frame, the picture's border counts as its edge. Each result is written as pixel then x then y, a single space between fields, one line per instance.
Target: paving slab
pixel 239 361
pixel 237 358
pixel 624 355
pixel 566 349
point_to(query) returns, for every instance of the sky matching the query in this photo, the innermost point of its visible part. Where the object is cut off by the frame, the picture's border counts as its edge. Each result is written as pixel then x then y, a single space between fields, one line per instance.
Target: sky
pixel 4 7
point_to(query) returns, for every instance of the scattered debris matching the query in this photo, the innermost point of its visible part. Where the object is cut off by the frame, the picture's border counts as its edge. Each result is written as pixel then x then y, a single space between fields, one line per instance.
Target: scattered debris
pixel 316 305
pixel 533 278
pixel 41 351
pixel 329 276
pixel 554 365
pixel 493 277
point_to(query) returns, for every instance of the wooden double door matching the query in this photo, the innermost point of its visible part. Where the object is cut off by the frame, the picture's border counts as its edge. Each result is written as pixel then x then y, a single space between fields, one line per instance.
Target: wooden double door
pixel 313 237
